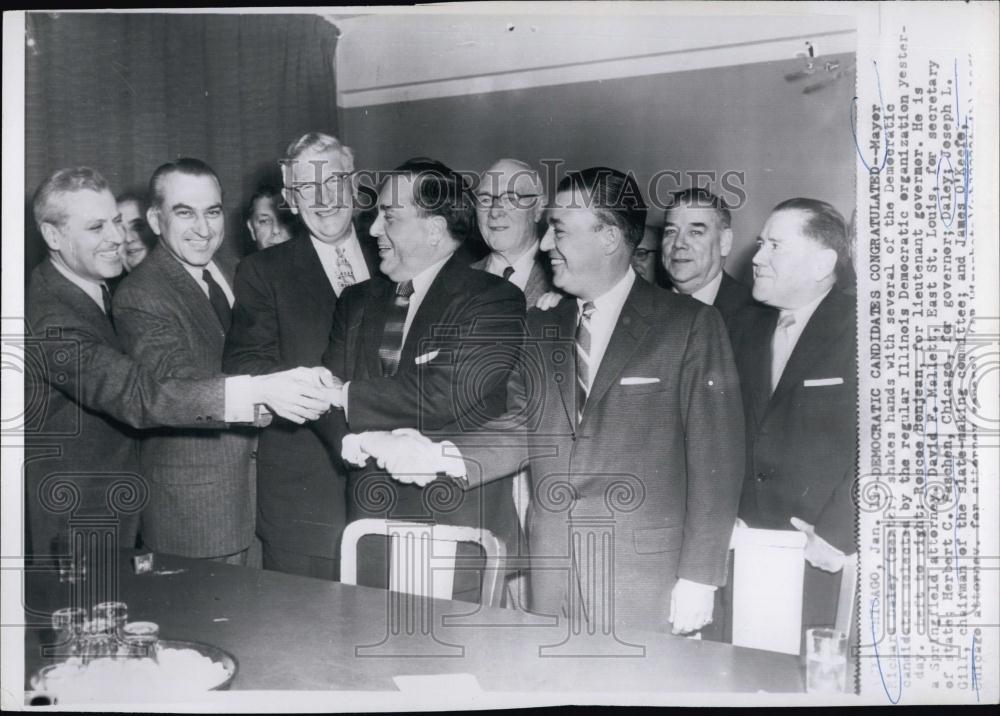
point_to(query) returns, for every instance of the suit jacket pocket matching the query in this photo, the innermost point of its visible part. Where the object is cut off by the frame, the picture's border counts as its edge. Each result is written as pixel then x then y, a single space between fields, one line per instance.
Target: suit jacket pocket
pixel 642 388
pixel 651 540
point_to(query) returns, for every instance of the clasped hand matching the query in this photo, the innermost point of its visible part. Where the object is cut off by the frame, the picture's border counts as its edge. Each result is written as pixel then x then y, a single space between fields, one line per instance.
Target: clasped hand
pixel 406 454
pixel 299 394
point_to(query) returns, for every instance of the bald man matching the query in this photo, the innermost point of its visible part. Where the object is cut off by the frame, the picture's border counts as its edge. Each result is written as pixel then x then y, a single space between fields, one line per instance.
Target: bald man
pixel 509 204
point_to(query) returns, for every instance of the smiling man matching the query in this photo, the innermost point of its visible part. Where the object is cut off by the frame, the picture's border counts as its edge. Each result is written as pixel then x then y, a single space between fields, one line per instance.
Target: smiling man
pixel 798 371
pixel 173 313
pixel 285 299
pixel 139 240
pixel 428 345
pixel 697 238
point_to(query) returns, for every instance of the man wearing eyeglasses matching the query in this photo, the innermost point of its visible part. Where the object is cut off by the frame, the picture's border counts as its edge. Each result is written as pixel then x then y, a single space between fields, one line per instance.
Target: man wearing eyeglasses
pixel 285 300
pixel 645 255
pixel 510 200
pixel 697 238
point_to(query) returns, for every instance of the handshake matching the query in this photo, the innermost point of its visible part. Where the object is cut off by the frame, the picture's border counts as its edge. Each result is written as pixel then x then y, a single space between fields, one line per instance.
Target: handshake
pixel 406 454
pixel 299 394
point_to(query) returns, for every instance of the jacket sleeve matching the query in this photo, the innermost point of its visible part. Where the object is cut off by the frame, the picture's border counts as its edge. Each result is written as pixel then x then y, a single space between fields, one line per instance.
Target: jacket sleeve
pixel 79 363
pixel 712 411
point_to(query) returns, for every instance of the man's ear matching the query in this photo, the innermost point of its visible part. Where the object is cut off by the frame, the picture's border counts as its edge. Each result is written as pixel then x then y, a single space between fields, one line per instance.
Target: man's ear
pixel 153 219
pixel 825 264
pixel 611 238
pixel 250 229
pixel 52 235
pixel 725 242
pixel 539 208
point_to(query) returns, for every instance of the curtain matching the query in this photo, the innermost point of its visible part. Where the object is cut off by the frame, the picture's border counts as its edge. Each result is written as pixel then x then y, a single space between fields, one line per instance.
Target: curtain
pixel 124 93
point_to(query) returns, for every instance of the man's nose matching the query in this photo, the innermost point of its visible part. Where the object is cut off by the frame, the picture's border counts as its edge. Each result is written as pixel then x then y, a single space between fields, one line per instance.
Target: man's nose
pixel 201 225
pixel 547 243
pixel 758 256
pixel 377 227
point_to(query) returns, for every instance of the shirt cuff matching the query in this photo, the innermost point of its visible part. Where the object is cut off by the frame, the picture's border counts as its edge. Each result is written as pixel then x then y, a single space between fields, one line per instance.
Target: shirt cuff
pixel 239 403
pixel 694 586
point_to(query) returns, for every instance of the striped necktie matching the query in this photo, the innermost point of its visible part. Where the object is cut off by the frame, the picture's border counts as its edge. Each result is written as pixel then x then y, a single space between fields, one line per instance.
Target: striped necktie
pixel 106 297
pixel 781 348
pixel 583 358
pixel 220 304
pixel 345 272
pixel 392 334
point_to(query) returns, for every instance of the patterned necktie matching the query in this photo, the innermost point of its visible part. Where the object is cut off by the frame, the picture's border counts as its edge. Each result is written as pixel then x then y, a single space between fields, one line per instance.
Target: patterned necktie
pixel 507 273
pixel 392 334
pixel 345 273
pixel 220 304
pixel 583 358
pixel 781 348
pixel 106 296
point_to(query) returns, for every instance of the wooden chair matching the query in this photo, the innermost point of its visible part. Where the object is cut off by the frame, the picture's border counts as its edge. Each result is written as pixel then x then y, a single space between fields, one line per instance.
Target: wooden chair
pixel 768 573
pixel 422 557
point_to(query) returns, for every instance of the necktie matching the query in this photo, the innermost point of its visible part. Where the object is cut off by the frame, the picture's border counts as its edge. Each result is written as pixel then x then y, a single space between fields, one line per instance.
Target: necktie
pixel 220 304
pixel 583 358
pixel 106 296
pixel 781 348
pixel 392 334
pixel 345 273
pixel 507 273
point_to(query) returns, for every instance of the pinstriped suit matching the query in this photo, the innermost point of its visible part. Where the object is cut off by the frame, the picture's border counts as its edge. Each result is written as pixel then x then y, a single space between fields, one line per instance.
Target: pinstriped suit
pixel 201 502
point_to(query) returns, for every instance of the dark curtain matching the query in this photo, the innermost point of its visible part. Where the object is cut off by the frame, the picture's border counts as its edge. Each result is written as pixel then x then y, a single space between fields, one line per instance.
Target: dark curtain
pixel 124 93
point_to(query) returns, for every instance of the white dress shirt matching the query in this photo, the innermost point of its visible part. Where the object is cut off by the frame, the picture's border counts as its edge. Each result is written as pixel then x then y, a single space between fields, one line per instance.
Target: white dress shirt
pixel 196 272
pixel 90 288
pixel 607 308
pixel 782 347
pixel 352 251
pixel 421 284
pixel 522 266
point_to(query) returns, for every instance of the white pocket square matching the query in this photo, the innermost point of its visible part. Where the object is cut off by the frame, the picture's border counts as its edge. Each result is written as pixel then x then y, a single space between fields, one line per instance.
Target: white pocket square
pixel 638 381
pixel 425 358
pixel 819 382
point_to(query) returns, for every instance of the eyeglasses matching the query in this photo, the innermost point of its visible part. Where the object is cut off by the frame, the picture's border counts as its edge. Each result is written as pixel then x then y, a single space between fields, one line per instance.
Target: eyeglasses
pixel 507 200
pixel 643 254
pixel 336 185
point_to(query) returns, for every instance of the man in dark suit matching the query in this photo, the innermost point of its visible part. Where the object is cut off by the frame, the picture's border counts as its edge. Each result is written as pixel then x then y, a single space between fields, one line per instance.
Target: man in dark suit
pixel 642 433
pixel 285 298
pixel 87 395
pixel 798 369
pixel 697 238
pixel 172 313
pixel 429 345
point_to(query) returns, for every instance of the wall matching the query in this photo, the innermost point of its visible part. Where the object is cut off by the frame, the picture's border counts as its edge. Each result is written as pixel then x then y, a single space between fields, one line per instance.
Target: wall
pixel 744 118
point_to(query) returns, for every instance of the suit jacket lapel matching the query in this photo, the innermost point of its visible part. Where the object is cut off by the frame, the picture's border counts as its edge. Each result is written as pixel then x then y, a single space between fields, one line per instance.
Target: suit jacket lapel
pixel 82 304
pixel 432 309
pixel 188 289
pixel 758 362
pixel 824 327
pixel 565 317
pixel 378 297
pixel 629 331
pixel 314 279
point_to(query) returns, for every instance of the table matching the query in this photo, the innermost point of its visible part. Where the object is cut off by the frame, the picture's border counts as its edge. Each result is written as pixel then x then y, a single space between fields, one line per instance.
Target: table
pixel 296 633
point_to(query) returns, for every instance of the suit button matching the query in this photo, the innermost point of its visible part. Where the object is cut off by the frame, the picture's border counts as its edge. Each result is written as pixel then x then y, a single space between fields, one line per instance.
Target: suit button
pixel 253 455
pixel 761 477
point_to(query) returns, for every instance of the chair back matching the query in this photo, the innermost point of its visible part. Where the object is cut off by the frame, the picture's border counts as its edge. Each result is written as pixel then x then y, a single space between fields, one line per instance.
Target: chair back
pixel 422 557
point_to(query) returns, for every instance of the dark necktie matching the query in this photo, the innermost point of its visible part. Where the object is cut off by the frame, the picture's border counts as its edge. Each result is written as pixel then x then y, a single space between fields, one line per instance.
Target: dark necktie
pixel 507 273
pixel 220 304
pixel 392 334
pixel 106 296
pixel 583 358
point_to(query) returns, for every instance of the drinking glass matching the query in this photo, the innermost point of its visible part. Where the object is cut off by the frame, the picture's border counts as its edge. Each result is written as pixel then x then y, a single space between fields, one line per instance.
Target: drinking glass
pixel 826 661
